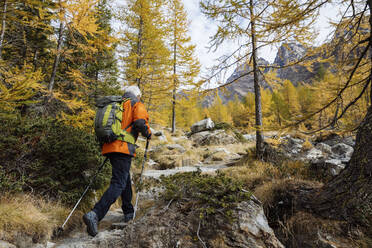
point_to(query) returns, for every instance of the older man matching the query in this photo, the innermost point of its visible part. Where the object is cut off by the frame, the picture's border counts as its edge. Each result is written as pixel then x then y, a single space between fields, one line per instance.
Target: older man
pixel 135 121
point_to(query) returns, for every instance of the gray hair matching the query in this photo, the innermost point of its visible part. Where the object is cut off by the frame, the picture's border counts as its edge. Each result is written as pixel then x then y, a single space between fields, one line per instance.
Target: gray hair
pixel 133 89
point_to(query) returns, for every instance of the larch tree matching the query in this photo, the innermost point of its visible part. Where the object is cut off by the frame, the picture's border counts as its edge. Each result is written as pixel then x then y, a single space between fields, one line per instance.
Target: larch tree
pixel 256 24
pixel 145 54
pixel 348 196
pixel 3 25
pixel 76 24
pixel 24 27
pixel 102 67
pixel 290 98
pixel 184 63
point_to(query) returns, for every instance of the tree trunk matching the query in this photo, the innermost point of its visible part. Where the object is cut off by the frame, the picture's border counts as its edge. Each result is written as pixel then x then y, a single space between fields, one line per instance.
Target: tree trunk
pixel 57 58
pixel 174 83
pixel 348 196
pixel 139 51
pixel 24 47
pixel 278 115
pixel 370 42
pixel 3 27
pixel 35 58
pixel 257 92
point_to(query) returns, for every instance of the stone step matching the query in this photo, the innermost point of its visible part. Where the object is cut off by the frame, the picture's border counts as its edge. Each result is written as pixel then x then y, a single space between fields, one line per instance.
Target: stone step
pixel 118 225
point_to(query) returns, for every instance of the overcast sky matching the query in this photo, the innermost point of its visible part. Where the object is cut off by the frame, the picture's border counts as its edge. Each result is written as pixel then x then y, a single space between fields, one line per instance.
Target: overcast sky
pixel 201 29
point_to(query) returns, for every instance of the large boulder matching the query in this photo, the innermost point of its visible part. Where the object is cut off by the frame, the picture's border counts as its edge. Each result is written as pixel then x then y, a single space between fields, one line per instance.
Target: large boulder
pixel 217 137
pixel 328 167
pixel 291 145
pixel 326 149
pixel 161 228
pixel 220 154
pixel 176 147
pixel 349 141
pixel 172 226
pixel 342 151
pixel 203 125
pixel 314 155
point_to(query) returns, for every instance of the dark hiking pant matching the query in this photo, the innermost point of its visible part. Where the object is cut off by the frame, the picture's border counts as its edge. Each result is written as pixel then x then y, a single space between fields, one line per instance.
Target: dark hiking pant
pixel 120 185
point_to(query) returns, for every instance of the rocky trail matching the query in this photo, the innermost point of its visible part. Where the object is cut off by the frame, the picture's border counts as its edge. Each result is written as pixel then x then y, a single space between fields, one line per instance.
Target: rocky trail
pixel 111 227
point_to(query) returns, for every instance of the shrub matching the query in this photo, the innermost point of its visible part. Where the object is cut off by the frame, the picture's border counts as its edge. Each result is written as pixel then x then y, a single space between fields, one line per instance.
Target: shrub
pixel 49 158
pixel 223 125
pixel 211 194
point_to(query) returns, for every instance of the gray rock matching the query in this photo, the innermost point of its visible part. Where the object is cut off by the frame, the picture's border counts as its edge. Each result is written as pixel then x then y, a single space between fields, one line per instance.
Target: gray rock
pixel 221 154
pixel 252 226
pixel 342 150
pixel 203 125
pixel 158 133
pixel 4 244
pixel 50 244
pixel 217 137
pixel 104 239
pixel 249 137
pixel 324 148
pixel 35 246
pixel 329 167
pixel 243 83
pixel 334 166
pixel 161 136
pixel 291 52
pixel 179 139
pixel 333 139
pixel 169 228
pixel 151 163
pixel 220 149
pixel 349 141
pixel 156 149
pixel 292 145
pixel 314 155
pixel 168 172
pixel 177 147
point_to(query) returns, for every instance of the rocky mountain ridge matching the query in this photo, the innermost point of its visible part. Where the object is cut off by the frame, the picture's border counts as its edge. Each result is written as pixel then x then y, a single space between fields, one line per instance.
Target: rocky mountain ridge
pixel 243 80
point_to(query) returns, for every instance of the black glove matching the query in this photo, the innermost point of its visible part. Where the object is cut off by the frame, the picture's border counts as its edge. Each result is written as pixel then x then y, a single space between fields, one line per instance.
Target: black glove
pixel 149 136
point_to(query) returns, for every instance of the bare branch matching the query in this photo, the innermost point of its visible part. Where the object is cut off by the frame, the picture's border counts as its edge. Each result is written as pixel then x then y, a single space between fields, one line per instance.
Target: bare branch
pixel 344 110
pixel 341 91
pixel 197 233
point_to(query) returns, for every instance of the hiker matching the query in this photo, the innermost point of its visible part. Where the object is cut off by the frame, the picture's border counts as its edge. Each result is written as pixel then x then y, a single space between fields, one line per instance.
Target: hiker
pixel 135 120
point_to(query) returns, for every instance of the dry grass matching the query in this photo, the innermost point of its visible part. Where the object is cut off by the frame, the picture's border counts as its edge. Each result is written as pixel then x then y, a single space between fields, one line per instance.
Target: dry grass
pixel 266 192
pixel 254 173
pixel 334 233
pixel 265 179
pixel 31 216
pixel 307 145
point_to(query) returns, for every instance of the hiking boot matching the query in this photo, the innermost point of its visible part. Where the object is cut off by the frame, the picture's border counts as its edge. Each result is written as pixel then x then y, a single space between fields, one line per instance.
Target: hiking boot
pixel 91 220
pixel 128 217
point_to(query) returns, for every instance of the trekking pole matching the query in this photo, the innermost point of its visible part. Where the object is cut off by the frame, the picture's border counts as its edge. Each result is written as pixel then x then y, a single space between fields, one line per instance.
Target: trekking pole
pixel 86 190
pixel 140 180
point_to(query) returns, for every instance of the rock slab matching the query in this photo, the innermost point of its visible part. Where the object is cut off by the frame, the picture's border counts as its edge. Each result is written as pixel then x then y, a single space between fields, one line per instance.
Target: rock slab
pixel 203 125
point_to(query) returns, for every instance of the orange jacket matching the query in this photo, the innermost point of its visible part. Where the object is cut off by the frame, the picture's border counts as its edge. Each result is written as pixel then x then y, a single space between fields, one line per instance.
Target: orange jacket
pixel 136 118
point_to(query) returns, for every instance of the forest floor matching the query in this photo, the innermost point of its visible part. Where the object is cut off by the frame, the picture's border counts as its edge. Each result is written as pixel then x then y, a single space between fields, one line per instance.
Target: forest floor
pixel 271 182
